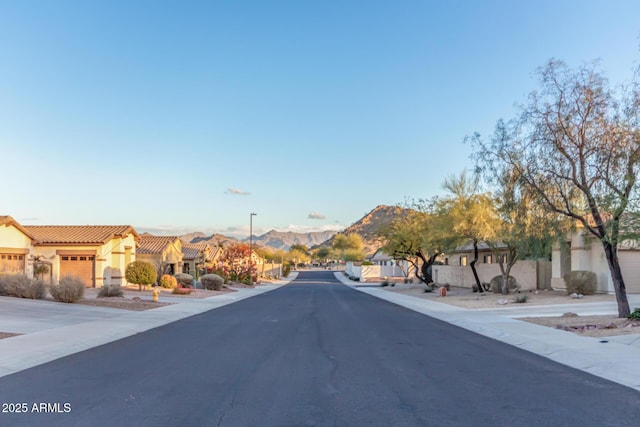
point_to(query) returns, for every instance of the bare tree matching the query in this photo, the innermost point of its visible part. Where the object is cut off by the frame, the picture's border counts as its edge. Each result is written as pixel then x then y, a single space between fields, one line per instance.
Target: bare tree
pixel 576 146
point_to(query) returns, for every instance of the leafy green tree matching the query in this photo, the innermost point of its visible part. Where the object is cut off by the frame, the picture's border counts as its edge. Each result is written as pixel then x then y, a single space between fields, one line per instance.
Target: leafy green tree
pixel 348 247
pixel 299 247
pixel 141 273
pixel 576 146
pixel 415 237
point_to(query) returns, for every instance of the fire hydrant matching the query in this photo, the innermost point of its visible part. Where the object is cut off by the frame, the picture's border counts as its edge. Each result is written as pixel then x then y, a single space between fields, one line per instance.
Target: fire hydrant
pixel 156 293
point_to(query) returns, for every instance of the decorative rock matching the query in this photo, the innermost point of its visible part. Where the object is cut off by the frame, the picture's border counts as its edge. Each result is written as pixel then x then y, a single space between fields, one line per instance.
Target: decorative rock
pixel 503 301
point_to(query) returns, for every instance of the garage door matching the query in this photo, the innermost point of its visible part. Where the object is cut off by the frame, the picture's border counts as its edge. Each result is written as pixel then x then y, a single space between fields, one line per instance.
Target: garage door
pixel 11 263
pixel 78 265
pixel 630 266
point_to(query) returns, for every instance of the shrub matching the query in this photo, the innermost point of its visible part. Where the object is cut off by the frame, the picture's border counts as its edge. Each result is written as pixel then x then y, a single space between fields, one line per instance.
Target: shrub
pixel 496 284
pixel 286 269
pixel 167 281
pixel 36 289
pixel 635 314
pixel 581 282
pixel 70 289
pixel 212 282
pixel 19 285
pixel 521 299
pixel 181 291
pixel 141 273
pixel 184 280
pixel 110 291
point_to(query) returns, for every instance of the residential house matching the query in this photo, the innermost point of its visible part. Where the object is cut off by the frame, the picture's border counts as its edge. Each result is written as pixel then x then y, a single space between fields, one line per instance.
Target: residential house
pixel 530 274
pixel 97 254
pixel 15 247
pixel 583 252
pixel 194 257
pixel 164 252
pixel 379 265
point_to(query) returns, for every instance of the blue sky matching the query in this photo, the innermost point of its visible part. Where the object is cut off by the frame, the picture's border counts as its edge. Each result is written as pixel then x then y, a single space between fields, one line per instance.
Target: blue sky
pixel 177 116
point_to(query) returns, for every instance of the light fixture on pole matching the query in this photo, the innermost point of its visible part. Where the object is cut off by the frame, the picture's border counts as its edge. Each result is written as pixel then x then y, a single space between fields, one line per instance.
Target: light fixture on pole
pixel 251 215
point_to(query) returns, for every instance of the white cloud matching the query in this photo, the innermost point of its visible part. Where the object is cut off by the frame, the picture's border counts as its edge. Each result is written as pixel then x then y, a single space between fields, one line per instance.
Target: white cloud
pixel 316 215
pixel 236 192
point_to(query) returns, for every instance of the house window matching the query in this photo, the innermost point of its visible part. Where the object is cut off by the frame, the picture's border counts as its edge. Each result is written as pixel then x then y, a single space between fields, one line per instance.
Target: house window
pixel 488 259
pixel 463 260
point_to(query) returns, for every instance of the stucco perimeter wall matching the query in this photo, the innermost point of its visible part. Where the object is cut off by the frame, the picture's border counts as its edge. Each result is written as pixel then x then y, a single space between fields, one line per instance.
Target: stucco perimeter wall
pixel 525 272
pixel 364 272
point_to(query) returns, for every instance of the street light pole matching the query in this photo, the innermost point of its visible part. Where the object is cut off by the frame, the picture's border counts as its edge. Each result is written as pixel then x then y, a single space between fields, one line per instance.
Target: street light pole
pixel 251 215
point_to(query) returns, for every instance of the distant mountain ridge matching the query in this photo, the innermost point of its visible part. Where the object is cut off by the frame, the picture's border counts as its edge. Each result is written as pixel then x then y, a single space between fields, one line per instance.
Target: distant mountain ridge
pixel 273 239
pixel 285 239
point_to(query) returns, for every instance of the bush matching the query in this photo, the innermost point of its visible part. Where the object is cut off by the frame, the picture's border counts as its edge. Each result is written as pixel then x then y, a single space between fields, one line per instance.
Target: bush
pixel 20 286
pixel 521 299
pixel 496 284
pixel 635 314
pixel 184 280
pixel 286 269
pixel 181 291
pixel 141 273
pixel 213 282
pixel 70 289
pixel 167 281
pixel 581 282
pixel 110 291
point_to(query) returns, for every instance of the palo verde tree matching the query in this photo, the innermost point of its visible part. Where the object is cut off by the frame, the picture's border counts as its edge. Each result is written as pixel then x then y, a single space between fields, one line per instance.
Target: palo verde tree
pixel 467 215
pixel 576 146
pixel 414 237
pixel 348 247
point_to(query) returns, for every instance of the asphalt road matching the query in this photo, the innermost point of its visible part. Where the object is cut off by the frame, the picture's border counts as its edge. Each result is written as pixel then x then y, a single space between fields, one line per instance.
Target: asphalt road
pixel 312 353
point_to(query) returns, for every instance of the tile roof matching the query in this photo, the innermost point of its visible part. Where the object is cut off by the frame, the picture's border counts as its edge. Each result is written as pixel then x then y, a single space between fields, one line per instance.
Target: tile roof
pixel 150 244
pixel 77 234
pixel 192 250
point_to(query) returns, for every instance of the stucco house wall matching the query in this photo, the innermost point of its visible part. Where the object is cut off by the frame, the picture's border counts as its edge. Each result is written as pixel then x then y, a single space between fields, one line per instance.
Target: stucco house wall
pixel 15 240
pixel 582 252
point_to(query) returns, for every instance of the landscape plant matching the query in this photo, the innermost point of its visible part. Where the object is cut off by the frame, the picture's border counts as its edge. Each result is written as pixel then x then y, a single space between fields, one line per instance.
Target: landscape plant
pixel 110 291
pixel 496 284
pixel 184 280
pixel 581 282
pixel 167 281
pixel 21 286
pixel 141 273
pixel 212 282
pixel 70 289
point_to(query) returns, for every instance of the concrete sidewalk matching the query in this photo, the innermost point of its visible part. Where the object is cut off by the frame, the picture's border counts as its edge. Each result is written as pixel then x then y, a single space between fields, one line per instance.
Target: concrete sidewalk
pixel 53 330
pixel 614 358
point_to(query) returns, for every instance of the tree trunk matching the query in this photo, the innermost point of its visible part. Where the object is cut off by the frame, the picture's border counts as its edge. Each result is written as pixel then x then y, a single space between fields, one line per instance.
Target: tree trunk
pixel 473 266
pixel 618 283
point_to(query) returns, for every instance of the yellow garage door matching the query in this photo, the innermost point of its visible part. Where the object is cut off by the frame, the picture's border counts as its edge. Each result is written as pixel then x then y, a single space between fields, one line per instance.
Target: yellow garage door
pixel 81 266
pixel 11 263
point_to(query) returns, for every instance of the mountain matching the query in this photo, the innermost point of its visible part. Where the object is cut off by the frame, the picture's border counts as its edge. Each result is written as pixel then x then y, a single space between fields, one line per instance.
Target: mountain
pixel 284 240
pixel 272 239
pixel 370 225
pixel 213 240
